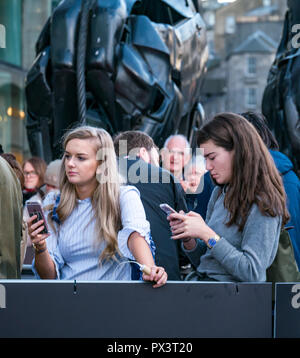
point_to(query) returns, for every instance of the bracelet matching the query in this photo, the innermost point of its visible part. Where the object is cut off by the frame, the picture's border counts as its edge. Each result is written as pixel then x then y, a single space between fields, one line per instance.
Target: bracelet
pixel 37 251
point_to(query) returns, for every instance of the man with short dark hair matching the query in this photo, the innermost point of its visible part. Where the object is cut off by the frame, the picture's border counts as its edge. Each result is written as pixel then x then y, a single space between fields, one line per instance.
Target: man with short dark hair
pixel 138 163
pixel 137 144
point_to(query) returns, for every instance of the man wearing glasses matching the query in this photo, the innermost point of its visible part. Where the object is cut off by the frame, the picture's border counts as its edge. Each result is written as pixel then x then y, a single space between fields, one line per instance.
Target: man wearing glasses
pixel 175 155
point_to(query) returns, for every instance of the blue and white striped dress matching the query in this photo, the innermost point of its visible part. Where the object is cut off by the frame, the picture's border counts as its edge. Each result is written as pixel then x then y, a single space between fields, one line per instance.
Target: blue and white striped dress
pixel 74 248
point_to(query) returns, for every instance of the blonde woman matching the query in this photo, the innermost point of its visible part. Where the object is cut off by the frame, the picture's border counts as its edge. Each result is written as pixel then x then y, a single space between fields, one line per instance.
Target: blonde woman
pixel 95 223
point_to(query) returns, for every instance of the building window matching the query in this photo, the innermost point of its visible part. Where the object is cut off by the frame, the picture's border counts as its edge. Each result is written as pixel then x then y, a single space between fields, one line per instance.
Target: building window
pixel 13 135
pixel 251 97
pixel 230 25
pixel 267 2
pixel 2 36
pixel 251 66
pixel 209 18
pixel 11 21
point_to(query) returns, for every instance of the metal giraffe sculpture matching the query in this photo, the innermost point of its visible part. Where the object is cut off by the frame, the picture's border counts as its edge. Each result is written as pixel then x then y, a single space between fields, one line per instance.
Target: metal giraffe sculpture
pixel 281 100
pixel 119 65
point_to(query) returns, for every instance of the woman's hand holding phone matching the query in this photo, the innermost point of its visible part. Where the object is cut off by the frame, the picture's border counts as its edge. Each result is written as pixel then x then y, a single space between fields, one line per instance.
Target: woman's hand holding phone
pixel 192 225
pixel 185 227
pixel 43 262
pixel 37 226
pixel 34 231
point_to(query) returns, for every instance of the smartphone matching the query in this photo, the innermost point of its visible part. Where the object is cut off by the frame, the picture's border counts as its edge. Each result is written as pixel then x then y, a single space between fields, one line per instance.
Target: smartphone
pixel 167 209
pixel 34 208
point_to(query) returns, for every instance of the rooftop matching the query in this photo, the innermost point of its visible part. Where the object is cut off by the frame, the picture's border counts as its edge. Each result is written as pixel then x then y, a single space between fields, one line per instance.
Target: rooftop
pixel 257 42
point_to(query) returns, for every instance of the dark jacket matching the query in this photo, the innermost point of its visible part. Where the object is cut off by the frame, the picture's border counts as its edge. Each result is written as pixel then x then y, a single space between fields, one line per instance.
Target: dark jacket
pixel 198 202
pixel 292 188
pixel 157 186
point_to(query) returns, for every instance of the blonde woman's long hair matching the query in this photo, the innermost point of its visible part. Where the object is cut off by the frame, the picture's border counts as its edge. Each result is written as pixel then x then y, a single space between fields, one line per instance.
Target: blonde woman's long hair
pixel 105 199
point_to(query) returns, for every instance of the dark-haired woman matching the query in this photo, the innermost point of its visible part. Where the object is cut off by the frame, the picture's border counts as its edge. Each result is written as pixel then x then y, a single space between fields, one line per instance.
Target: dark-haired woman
pixel 247 208
pixel 34 171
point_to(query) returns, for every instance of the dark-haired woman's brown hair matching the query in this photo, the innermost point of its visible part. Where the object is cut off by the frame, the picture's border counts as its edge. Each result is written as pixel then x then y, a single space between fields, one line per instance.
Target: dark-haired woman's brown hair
pixel 39 166
pixel 255 178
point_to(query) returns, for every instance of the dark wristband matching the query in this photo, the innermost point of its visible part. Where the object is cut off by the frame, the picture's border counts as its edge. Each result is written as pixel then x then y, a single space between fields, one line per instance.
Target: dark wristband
pixel 37 251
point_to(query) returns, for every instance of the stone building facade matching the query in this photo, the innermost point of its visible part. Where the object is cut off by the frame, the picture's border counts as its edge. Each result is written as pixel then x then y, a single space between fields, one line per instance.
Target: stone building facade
pixel 238 70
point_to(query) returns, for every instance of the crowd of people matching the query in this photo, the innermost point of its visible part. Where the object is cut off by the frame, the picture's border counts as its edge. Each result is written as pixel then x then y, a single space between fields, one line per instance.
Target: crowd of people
pixel 231 196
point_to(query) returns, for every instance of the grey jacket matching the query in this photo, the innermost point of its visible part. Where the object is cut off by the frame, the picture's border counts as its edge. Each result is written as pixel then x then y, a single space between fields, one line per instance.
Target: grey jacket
pixel 237 256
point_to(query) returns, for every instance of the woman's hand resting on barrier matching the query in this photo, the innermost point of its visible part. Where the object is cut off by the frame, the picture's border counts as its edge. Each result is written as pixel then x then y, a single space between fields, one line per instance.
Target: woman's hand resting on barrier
pixel 142 253
pixel 155 273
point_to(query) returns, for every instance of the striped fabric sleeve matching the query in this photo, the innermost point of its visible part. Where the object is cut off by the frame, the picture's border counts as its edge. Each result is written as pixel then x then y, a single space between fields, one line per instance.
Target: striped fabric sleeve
pixel 133 219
